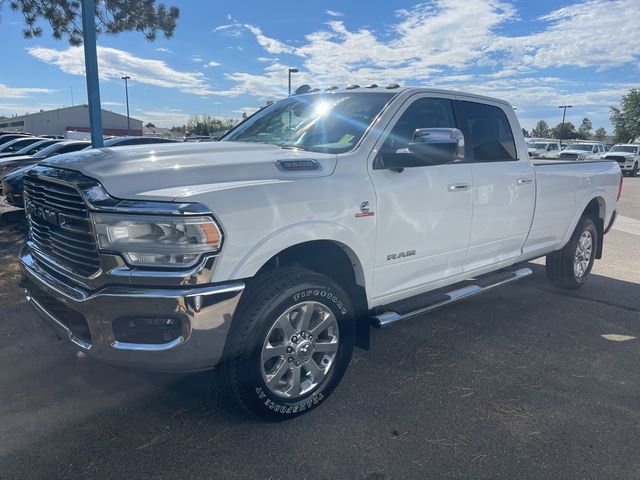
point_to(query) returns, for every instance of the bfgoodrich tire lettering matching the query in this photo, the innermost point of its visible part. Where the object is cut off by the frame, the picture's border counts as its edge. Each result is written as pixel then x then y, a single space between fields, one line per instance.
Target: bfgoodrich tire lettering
pixel 251 376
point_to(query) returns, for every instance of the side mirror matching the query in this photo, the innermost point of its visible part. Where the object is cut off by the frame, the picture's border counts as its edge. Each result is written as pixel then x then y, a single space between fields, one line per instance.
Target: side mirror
pixel 429 146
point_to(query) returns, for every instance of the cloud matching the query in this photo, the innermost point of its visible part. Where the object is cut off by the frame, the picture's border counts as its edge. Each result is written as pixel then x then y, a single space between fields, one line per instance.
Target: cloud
pixel 21 92
pixel 163 50
pixel 113 63
pixel 196 58
pixel 112 104
pixel 271 45
pixel 212 64
pixel 334 13
pixel 229 30
pixel 460 44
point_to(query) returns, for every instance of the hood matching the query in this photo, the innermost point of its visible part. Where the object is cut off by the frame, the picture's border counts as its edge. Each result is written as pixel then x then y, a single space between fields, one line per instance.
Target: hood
pixel 9 164
pixel 621 154
pixel 167 171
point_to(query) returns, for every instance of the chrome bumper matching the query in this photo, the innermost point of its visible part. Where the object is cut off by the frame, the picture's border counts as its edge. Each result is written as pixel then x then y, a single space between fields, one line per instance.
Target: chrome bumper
pixel 86 318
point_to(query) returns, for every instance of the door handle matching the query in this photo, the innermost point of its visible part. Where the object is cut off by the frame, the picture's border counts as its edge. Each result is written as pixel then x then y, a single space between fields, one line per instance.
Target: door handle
pixel 525 181
pixel 459 187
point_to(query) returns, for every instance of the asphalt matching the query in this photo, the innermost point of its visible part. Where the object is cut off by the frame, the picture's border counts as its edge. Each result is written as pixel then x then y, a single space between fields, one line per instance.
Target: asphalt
pixel 524 382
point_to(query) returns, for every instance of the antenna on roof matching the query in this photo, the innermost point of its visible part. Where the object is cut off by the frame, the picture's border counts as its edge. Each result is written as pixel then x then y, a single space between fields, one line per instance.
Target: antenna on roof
pixel 332 87
pixel 392 85
pixel 352 87
pixel 373 85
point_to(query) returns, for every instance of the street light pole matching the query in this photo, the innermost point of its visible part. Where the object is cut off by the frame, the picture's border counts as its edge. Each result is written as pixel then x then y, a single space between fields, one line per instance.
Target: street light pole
pixel 291 70
pixel 91 68
pixel 564 114
pixel 126 94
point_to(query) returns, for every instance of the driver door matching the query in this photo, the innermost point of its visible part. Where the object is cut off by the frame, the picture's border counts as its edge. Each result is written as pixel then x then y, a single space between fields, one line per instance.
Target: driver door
pixel 423 213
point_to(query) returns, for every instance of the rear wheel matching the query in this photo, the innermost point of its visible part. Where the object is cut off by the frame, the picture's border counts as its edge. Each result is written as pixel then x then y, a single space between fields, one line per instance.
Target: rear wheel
pixel 290 343
pixel 569 268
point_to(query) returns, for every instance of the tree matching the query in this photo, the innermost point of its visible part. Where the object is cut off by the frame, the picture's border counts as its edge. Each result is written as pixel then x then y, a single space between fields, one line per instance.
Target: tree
pixel 584 131
pixel 525 133
pixel 566 131
pixel 150 125
pixel 600 134
pixel 205 125
pixel 541 130
pixel 626 117
pixel 112 17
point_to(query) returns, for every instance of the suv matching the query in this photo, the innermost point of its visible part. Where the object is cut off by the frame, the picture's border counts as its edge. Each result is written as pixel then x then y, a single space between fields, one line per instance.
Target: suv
pixel 583 151
pixel 627 156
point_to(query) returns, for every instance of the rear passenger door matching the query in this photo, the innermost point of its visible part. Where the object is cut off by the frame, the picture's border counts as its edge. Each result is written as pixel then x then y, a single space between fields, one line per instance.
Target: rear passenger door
pixel 503 185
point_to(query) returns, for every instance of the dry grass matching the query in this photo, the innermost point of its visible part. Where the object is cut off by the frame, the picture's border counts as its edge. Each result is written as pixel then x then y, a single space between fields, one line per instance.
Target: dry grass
pixel 13 230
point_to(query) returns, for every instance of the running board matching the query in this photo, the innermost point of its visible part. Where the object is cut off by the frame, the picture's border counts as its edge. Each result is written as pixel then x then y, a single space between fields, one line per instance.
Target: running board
pixel 481 284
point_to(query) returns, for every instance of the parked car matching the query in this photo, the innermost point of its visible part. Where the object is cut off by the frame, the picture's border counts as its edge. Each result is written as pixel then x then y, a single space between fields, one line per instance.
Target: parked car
pixel 16 144
pixel 4 138
pixel 125 141
pixel 269 254
pixel 628 157
pixel 11 187
pixel 543 148
pixel 64 146
pixel 583 151
pixel 30 149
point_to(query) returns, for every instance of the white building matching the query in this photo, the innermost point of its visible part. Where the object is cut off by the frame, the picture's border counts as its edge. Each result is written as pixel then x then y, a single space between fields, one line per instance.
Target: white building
pixel 76 119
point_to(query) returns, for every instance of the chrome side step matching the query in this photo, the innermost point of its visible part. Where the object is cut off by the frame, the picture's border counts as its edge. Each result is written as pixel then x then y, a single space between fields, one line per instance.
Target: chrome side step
pixel 482 285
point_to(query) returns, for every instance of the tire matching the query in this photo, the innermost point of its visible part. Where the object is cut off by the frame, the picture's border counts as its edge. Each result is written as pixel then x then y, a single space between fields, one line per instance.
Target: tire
pixel 634 172
pixel 267 342
pixel 569 268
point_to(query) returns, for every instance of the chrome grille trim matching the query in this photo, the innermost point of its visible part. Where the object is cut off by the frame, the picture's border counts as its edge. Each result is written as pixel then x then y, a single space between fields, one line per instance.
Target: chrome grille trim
pixel 60 225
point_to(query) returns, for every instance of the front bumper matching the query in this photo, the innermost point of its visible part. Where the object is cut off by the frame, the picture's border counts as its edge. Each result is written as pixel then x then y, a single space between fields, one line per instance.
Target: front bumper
pixel 86 318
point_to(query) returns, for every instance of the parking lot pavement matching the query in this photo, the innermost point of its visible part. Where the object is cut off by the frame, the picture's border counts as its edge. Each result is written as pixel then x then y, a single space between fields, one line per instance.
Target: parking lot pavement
pixel 523 382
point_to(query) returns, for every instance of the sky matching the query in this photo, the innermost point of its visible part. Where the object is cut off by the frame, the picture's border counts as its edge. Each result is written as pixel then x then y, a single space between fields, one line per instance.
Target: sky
pixel 226 58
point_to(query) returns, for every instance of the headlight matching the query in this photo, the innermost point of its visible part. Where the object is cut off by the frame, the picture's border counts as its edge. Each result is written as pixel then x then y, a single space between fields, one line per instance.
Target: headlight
pixel 158 241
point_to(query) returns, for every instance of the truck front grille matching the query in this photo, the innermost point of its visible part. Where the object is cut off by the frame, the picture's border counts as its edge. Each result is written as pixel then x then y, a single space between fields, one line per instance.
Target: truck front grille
pixel 569 156
pixel 616 158
pixel 60 225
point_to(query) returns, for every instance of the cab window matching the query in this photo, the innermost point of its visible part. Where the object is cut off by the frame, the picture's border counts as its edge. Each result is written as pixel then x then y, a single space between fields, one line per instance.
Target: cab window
pixel 422 113
pixel 488 135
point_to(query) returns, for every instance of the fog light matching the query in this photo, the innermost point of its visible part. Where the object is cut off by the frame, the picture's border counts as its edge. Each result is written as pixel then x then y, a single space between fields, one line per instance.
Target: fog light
pixel 153 331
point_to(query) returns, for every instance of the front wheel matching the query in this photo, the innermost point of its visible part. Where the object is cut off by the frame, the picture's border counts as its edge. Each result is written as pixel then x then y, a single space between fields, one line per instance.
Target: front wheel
pixel 634 172
pixel 290 344
pixel 569 268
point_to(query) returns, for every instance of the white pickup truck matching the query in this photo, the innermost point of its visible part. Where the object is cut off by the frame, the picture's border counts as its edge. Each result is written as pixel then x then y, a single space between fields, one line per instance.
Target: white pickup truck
pixel 583 151
pixel 628 157
pixel 270 253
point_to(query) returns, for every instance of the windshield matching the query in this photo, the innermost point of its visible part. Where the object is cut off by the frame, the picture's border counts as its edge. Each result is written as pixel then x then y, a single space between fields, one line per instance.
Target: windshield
pixel 35 147
pixel 537 145
pixel 580 146
pixel 624 148
pixel 51 149
pixel 332 122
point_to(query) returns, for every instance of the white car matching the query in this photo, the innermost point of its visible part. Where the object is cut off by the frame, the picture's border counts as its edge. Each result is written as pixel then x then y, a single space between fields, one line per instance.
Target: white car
pixel 543 148
pixel 627 156
pixel 584 151
pixel 269 254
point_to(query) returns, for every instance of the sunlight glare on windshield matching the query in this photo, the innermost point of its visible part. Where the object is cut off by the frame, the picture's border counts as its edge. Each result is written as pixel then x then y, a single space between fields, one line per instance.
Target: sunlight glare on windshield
pixel 322 108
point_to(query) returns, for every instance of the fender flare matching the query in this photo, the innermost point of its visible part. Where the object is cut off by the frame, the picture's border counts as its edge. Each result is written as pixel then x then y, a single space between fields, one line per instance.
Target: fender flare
pixel 597 193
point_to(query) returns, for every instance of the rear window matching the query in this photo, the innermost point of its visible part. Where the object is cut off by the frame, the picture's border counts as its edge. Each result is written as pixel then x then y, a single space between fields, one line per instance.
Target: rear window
pixel 488 135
